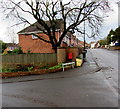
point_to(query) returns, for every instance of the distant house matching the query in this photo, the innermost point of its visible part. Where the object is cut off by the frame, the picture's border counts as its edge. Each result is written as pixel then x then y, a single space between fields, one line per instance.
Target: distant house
pixel 70 40
pixel 116 43
pixel 81 44
pixel 97 45
pixel 92 44
pixel 112 44
pixel 73 41
pixel 27 41
pixel 11 46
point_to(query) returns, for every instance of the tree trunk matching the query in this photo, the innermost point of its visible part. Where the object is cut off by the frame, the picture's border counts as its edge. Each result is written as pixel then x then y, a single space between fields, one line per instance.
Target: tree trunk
pixel 55 48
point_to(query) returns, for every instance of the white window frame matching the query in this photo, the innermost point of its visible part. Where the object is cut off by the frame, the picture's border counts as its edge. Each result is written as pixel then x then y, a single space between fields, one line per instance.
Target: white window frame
pixel 34 37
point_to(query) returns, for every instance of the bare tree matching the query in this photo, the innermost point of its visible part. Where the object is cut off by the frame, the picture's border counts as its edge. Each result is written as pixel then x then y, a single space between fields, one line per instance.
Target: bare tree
pixel 73 13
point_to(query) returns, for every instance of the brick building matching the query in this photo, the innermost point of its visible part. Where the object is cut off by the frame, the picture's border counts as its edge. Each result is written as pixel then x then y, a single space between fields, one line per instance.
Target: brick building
pixel 11 46
pixel 29 42
pixel 70 40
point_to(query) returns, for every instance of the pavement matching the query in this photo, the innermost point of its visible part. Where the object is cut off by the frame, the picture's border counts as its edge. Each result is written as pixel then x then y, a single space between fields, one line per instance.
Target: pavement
pixel 90 66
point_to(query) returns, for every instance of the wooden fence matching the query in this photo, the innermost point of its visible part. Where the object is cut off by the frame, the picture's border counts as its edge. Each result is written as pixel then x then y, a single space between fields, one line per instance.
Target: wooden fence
pixel 44 58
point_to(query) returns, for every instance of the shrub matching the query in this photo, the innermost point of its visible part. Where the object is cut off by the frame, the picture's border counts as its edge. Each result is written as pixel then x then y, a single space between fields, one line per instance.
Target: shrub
pixel 9 52
pixel 30 68
pixel 25 67
pixel 28 51
pixel 5 52
pixel 79 57
pixel 3 46
pixel 17 51
pixel 9 70
pixel 56 67
pixel 45 67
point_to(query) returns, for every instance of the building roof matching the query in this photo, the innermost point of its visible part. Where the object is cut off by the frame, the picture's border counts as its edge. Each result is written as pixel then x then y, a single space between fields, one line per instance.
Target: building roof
pixel 33 27
pixel 12 45
pixel 92 43
pixel 81 43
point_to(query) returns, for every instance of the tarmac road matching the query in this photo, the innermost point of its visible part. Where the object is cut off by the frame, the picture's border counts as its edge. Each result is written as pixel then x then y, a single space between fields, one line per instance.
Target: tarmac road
pixel 108 61
pixel 80 87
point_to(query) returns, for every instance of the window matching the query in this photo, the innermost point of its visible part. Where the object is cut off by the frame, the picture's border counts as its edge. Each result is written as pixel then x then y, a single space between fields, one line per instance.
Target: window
pixel 66 40
pixel 34 37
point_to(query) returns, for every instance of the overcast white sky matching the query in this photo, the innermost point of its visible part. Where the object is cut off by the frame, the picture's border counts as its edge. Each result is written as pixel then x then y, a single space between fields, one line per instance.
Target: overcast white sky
pixel 111 22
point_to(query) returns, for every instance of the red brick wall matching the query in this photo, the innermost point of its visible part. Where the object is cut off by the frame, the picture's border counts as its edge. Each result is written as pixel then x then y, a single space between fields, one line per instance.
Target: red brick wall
pixel 74 51
pixel 35 45
pixel 64 44
pixel 62 54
